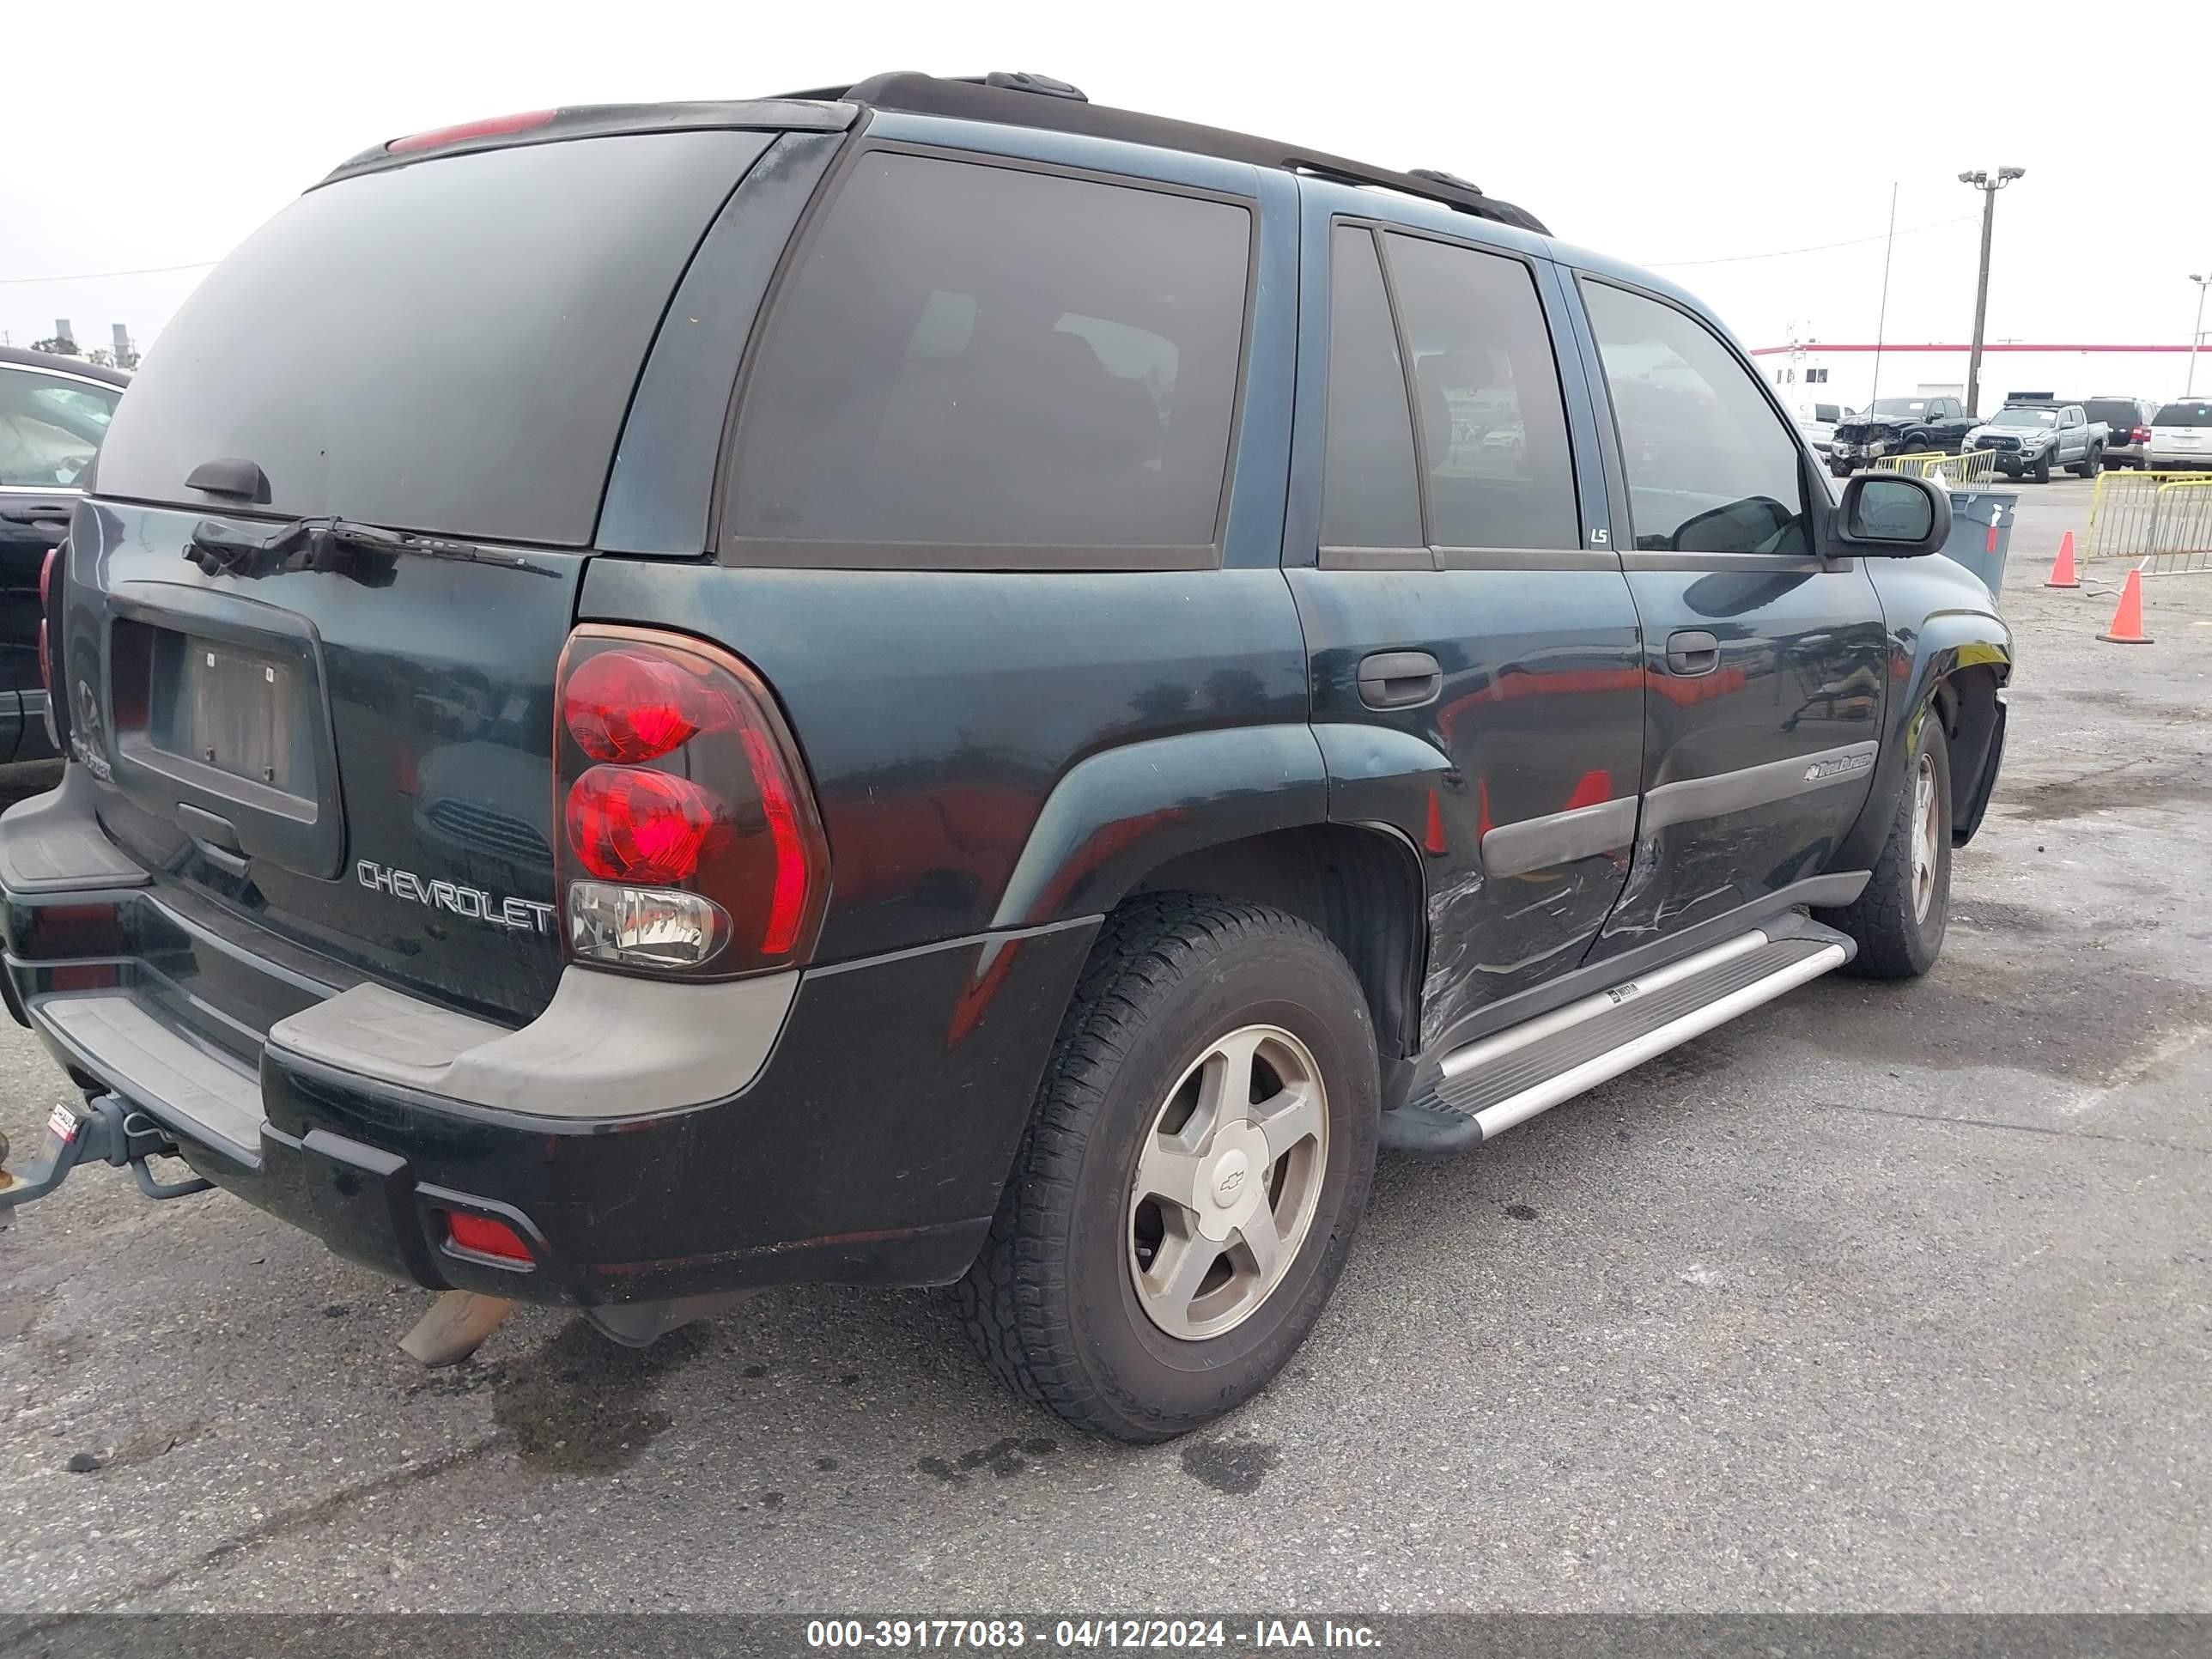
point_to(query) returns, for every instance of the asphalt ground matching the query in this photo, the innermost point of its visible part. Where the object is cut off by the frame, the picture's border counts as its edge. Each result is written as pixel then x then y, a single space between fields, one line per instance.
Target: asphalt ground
pixel 1882 1297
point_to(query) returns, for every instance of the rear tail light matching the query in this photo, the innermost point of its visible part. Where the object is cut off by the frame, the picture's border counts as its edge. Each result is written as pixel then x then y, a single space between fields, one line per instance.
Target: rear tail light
pixel 2142 435
pixel 690 839
pixel 484 1235
pixel 46 609
pixel 491 127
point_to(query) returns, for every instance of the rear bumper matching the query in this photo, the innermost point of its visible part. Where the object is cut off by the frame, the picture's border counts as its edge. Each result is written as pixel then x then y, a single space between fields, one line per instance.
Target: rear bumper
pixel 869 1147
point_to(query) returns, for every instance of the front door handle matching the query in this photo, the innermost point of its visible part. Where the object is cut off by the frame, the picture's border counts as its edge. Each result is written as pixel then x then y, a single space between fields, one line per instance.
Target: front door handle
pixel 1692 651
pixel 1399 679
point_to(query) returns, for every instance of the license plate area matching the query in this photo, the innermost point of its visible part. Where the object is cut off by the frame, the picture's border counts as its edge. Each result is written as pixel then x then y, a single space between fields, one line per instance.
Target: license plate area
pixel 241 712
pixel 218 705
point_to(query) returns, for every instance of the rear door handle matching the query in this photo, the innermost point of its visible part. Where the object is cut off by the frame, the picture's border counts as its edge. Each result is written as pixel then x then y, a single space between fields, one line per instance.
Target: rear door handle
pixel 1399 679
pixel 1692 651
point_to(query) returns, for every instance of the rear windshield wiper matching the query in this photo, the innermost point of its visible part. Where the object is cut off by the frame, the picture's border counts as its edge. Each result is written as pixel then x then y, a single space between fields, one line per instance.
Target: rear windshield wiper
pixel 330 544
pixel 374 538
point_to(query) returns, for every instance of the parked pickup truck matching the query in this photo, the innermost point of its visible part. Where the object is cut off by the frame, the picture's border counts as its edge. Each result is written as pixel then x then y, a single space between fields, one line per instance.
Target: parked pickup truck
pixel 2030 439
pixel 950 697
pixel 1898 426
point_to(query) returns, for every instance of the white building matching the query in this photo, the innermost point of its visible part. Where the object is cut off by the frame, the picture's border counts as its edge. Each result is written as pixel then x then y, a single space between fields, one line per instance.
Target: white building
pixel 1852 376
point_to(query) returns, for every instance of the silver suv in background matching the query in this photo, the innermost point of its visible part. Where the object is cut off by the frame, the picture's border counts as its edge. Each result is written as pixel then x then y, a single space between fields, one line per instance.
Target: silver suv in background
pixel 2180 434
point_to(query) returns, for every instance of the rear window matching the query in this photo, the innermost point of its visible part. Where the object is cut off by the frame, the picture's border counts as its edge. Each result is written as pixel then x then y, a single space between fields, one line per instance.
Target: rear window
pixel 2192 414
pixel 448 347
pixel 976 357
pixel 2114 412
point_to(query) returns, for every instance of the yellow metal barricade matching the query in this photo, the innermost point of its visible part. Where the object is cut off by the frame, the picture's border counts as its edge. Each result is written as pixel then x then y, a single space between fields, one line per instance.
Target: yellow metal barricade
pixel 2163 520
pixel 1974 467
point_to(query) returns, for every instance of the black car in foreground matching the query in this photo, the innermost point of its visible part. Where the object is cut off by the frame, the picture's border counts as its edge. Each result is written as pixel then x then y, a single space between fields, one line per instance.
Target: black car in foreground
pixel 54 411
pixel 970 689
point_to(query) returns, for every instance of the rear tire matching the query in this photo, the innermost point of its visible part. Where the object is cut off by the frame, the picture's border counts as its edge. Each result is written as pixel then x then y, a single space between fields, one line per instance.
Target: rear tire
pixel 1900 917
pixel 2092 463
pixel 1080 1300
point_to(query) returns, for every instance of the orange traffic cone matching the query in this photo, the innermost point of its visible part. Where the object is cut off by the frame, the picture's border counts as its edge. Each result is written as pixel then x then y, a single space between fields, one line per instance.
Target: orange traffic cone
pixel 2062 572
pixel 2127 627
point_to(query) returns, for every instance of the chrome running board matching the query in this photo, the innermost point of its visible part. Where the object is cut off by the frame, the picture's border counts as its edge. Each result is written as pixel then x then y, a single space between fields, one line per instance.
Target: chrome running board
pixel 1491 1084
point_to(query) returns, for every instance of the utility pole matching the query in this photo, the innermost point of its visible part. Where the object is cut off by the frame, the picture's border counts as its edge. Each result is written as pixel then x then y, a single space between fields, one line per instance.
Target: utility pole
pixel 1988 185
pixel 2196 333
pixel 1881 318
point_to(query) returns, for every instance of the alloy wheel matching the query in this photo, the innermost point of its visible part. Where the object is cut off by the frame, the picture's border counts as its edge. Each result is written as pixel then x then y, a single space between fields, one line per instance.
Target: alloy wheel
pixel 1924 843
pixel 1227 1182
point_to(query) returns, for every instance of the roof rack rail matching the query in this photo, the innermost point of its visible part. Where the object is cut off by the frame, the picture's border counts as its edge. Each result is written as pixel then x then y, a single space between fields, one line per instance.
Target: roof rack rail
pixel 1024 99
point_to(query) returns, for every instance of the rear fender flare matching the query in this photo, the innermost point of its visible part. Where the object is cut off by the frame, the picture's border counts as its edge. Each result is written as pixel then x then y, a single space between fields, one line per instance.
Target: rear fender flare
pixel 1120 813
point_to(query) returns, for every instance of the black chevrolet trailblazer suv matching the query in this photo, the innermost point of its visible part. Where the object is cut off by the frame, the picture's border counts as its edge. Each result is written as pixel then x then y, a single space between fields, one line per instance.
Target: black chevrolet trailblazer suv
pixel 930 684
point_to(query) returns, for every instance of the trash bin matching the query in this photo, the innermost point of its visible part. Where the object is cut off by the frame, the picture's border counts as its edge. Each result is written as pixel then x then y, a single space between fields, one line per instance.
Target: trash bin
pixel 1981 532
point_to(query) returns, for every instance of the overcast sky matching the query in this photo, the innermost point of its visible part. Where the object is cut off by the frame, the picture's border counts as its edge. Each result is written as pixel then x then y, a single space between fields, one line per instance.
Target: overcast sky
pixel 1681 135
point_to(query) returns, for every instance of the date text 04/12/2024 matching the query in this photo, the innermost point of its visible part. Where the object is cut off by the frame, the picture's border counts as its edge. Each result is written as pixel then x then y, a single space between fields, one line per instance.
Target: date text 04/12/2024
pixel 988 1635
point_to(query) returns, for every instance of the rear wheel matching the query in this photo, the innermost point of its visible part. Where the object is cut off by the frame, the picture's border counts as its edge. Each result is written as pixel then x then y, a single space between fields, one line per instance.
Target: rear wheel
pixel 1187 1189
pixel 2091 464
pixel 1900 917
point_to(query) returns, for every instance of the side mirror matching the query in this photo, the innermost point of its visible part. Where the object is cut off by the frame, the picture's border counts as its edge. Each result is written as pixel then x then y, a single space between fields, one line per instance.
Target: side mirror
pixel 1889 514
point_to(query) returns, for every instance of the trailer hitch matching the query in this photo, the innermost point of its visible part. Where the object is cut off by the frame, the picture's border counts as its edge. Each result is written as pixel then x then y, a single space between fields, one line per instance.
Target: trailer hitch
pixel 104 1129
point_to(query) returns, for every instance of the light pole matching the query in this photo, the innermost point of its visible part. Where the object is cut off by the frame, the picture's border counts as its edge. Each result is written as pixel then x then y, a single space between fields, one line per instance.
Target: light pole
pixel 2198 332
pixel 1988 185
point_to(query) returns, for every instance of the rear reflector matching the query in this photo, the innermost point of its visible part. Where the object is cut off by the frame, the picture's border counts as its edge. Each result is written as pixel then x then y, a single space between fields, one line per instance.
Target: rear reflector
pixel 438 137
pixel 485 1235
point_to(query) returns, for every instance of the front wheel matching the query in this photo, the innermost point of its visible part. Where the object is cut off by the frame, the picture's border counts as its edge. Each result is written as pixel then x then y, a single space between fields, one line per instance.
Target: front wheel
pixel 2043 467
pixel 1187 1189
pixel 1898 918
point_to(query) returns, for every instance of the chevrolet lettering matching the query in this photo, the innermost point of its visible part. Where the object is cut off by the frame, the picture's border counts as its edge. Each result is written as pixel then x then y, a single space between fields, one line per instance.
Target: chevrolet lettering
pixel 473 902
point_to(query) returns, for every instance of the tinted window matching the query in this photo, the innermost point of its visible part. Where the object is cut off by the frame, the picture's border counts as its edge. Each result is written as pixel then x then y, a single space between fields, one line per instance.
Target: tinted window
pixel 977 356
pixel 449 346
pixel 2115 412
pixel 1370 497
pixel 1710 467
pixel 1499 471
pixel 2187 414
pixel 50 428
